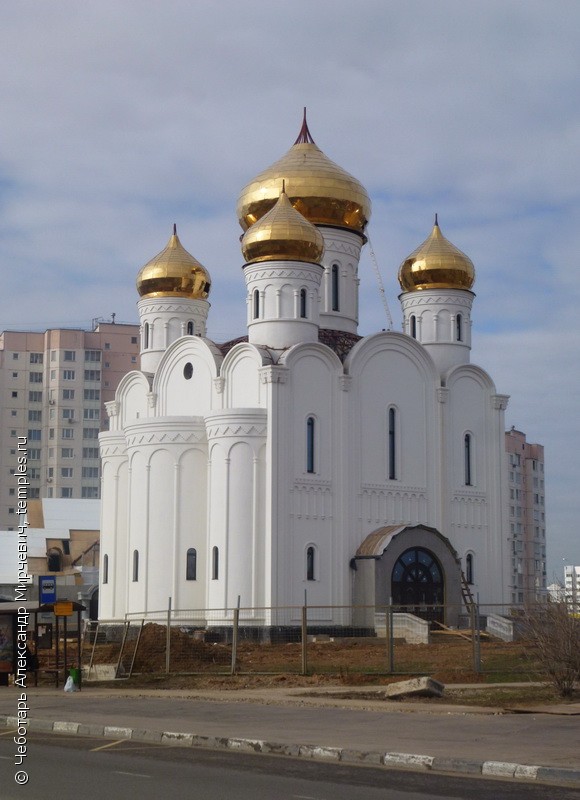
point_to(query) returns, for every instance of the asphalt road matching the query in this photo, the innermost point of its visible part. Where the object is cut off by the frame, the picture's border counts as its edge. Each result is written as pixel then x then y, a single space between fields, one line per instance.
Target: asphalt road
pixel 94 769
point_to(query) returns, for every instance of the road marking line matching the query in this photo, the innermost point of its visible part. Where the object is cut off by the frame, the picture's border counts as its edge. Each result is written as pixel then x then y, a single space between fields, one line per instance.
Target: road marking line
pixel 6 758
pixel 105 746
pixel 9 733
pixel 132 774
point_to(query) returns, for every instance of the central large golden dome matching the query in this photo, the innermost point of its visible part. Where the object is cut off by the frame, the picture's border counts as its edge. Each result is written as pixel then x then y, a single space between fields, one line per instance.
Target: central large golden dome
pixel 436 264
pixel 318 188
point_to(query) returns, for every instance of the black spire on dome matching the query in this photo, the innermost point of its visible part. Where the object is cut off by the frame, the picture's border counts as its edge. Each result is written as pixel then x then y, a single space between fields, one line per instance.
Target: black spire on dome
pixel 304 137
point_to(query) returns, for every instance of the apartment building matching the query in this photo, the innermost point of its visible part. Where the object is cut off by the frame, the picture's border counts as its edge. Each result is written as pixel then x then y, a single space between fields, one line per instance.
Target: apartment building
pixel 572 586
pixel 53 387
pixel 527 518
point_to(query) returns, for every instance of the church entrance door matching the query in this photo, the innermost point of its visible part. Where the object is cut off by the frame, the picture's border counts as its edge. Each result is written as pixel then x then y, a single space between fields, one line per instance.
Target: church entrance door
pixel 417 584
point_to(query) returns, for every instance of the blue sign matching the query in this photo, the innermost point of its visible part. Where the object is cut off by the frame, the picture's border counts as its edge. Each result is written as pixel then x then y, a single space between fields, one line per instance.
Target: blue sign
pixel 47 589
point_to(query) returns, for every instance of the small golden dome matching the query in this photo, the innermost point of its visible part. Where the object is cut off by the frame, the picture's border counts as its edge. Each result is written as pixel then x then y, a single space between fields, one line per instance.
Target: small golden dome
pixel 318 188
pixel 174 273
pixel 283 235
pixel 436 264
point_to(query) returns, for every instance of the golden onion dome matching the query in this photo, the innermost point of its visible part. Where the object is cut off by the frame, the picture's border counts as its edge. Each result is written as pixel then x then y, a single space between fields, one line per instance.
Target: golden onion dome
pixel 174 273
pixel 318 188
pixel 283 234
pixel 436 264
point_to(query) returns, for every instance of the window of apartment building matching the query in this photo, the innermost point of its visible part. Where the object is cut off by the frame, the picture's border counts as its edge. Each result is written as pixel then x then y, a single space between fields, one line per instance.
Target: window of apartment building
pixel 14 394
pixel 11 510
pixel 35 396
pixel 35 377
pixel 53 355
pixel 13 413
pixel 90 492
pixel 67 433
pixel 133 359
pixel 69 355
pixel 66 491
pixel 92 394
pixel 107 345
pixel 36 358
pixel 15 356
pixel 11 491
pixel 34 454
pixel 34 415
pixel 34 473
pixel 52 413
pixel 52 374
pixel 67 452
pixel 68 374
pixel 92 355
pixel 90 452
pixel 33 492
pixel 68 394
pixel 107 364
pixel 68 413
pixel 12 433
pixel 34 434
pixel 92 374
pixel 66 472
pixel 90 472
pixel 90 433
pixel 92 413
pixel 133 340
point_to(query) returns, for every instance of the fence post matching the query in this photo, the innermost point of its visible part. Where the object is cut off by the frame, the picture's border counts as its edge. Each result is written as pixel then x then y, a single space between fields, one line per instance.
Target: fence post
pixel 235 639
pixel 304 639
pixel 390 637
pixel 168 639
pixel 474 620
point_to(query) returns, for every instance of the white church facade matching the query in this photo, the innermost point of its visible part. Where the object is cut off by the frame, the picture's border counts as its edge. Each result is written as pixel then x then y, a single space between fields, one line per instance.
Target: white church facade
pixel 303 456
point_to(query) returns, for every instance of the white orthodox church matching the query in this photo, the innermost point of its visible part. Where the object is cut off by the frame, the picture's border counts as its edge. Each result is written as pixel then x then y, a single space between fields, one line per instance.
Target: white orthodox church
pixel 303 456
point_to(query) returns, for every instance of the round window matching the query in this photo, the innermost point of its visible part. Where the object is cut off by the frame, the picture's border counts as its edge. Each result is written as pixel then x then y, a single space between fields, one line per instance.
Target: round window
pixel 188 371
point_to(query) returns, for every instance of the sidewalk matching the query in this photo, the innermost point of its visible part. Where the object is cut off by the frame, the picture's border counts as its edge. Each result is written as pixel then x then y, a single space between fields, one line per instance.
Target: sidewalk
pixel 543 745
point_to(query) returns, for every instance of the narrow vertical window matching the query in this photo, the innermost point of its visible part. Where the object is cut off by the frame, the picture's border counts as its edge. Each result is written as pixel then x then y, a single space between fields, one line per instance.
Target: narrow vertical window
pixel 191 565
pixel 392 444
pixel 310 564
pixel 310 444
pixel 105 568
pixel 335 288
pixel 413 326
pixel 469 568
pixel 303 303
pixel 135 566
pixel 146 336
pixel 215 564
pixel 190 328
pixel 467 457
pixel 256 304
pixel 459 328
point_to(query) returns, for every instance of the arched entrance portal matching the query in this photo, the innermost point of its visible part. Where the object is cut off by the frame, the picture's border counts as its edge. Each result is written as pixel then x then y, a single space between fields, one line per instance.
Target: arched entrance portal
pixel 418 584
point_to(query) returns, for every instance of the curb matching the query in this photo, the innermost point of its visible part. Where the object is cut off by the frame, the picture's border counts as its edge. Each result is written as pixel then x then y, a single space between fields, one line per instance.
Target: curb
pixel 411 761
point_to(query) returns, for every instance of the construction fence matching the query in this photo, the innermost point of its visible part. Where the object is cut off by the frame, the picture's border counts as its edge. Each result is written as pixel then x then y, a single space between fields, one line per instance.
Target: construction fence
pixel 346 641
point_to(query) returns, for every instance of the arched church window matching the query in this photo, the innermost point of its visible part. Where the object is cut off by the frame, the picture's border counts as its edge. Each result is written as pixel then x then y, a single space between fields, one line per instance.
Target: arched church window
pixel 188 371
pixel 135 566
pixel 469 568
pixel 215 564
pixel 413 326
pixel 191 565
pixel 335 288
pixel 190 328
pixel 310 422
pixel 459 328
pixel 105 568
pixel 310 563
pixel 468 455
pixel 145 336
pixel 303 303
pixel 256 304
pixel 54 560
pixel 392 444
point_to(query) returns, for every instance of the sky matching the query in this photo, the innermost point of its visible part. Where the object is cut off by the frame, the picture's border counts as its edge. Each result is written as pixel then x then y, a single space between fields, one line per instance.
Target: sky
pixel 118 119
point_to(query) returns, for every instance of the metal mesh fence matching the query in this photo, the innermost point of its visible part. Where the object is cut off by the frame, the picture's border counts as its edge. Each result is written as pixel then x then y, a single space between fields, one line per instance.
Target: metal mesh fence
pixel 447 642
